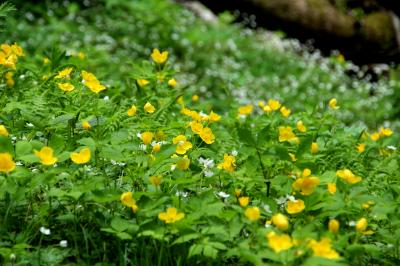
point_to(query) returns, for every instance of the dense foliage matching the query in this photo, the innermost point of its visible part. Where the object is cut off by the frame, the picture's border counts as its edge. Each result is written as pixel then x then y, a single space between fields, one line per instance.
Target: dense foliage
pixel 228 149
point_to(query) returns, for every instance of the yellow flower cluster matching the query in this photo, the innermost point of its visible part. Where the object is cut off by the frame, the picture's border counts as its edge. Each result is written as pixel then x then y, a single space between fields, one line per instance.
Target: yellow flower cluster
pixel 383 132
pixel 306 183
pixel 229 163
pixel 198 128
pixel 9 55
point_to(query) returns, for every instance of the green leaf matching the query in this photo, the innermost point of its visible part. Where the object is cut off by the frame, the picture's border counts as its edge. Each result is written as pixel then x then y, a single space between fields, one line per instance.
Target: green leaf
pixel 6 145
pixel 23 148
pixel 186 238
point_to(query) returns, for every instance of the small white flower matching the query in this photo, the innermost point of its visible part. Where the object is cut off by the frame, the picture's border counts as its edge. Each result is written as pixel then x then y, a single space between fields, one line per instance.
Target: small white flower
pixel 18 163
pixel 223 194
pixel 291 198
pixel 143 147
pixel 281 200
pixel 393 148
pixel 267 208
pixel 173 167
pixel 45 231
pixel 208 173
pixel 267 225
pixel 352 223
pixel 106 98
pixel 29 125
pixel 139 135
pixel 113 162
pixel 182 194
pixel 234 153
pixel 63 243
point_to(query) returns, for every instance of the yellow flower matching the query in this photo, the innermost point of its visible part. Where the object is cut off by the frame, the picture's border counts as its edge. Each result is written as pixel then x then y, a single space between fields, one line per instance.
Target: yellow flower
pixel 172 83
pixel 348 176
pixel 295 206
pixel 182 145
pixel 333 104
pixel 9 79
pixel 213 117
pixel 46 60
pixel 142 82
pixel 81 55
pixel 207 135
pixel 238 191
pixel 306 185
pixel 244 201
pixel 46 156
pixel 333 226
pixel 91 81
pixel 196 127
pixel 361 147
pixel 159 57
pixel 127 200
pixel 261 104
pixel 375 136
pixel 361 225
pixel 81 157
pixel 331 188
pixel 314 147
pixel 86 125
pixel 274 104
pixel 280 221
pixel 149 108
pixel 267 109
pixel 300 126
pixel 66 86
pixel 293 157
pixel 6 162
pixel 323 249
pixel 132 111
pixel 340 58
pixel 228 164
pixel 246 109
pixel 3 131
pixel 181 101
pixel 195 98
pixel 171 215
pixel 279 242
pixel 65 73
pixel 146 137
pixel 285 111
pixel 183 163
pixel 155 180
pixel 385 132
pixel 252 213
pixel 157 147
pixel 286 134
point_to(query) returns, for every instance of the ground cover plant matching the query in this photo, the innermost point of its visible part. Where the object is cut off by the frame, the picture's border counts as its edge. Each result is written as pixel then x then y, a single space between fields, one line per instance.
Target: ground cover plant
pixel 135 164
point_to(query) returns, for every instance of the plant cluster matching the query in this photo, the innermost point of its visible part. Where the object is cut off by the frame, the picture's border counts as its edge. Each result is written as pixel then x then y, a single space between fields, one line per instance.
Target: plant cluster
pixel 91 175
